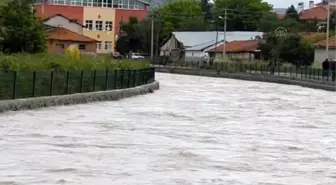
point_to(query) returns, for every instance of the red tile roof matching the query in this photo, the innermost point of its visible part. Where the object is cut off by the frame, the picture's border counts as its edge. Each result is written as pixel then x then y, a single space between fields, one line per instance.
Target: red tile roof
pixel 67 35
pixel 316 13
pixel 238 46
pixel 281 16
pixel 323 43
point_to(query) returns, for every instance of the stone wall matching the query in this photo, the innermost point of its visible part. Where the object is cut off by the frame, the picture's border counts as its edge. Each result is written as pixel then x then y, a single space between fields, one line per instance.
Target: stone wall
pixel 250 77
pixel 47 101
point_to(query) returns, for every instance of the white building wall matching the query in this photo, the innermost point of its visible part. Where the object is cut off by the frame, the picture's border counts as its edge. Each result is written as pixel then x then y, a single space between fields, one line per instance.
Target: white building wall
pixel 194 55
pixel 320 56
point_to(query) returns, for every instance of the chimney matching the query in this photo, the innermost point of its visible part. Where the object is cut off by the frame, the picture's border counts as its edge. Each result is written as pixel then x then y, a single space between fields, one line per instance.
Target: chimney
pixel 311 4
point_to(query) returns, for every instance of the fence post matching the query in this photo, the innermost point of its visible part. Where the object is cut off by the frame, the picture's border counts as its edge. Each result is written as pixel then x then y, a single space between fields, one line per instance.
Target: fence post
pixel 94 80
pixel 285 70
pixel 143 76
pixel 153 74
pixel 134 77
pixel 122 79
pixel 14 85
pixel 67 82
pixel 116 79
pixel 106 79
pixel 81 81
pixel 51 83
pixel 129 77
pixel 318 75
pixel 290 71
pixel 34 83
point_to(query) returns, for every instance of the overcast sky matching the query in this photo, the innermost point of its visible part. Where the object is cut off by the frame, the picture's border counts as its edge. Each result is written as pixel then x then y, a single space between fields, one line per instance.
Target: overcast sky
pixel 287 3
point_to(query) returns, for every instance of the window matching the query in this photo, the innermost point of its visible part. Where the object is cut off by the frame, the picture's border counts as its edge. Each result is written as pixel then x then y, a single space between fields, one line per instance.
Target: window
pixel 89 3
pixel 82 46
pixel 62 2
pixel 108 25
pixel 99 25
pixel 108 45
pixel 89 24
pixel 99 45
pixel 120 3
pixel 125 4
pixel 60 46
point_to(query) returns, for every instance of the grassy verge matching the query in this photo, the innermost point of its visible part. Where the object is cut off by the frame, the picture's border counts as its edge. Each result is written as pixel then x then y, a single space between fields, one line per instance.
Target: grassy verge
pixel 24 75
pixel 48 62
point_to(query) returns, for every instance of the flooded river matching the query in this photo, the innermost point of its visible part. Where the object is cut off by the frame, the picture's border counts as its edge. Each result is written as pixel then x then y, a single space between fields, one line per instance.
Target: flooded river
pixel 194 130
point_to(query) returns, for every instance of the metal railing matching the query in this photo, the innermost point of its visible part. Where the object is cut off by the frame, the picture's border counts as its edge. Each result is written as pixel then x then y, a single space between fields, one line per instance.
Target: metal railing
pixel 15 85
pixel 300 73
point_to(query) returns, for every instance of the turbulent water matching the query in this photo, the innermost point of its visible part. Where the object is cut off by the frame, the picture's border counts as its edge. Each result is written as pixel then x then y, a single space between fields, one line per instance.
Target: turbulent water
pixel 194 130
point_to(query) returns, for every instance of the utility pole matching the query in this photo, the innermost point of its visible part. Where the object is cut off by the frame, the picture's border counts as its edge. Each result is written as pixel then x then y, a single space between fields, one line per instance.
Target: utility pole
pixel 328 28
pixel 152 38
pixel 224 45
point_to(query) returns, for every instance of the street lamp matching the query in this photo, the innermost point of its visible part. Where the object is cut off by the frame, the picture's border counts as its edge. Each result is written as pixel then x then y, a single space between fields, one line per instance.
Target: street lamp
pixel 224 45
pixel 327 40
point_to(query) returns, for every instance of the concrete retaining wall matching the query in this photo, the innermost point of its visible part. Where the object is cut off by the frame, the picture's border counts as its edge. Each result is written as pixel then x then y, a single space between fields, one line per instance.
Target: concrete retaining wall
pixel 47 101
pixel 249 77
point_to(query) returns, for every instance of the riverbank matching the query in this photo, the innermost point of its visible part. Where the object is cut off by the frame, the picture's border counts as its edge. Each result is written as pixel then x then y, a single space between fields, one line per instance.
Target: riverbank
pixel 290 80
pixel 47 101
pixel 46 62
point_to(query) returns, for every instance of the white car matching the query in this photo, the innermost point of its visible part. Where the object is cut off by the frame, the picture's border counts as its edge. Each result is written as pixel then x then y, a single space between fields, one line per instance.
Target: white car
pixel 137 56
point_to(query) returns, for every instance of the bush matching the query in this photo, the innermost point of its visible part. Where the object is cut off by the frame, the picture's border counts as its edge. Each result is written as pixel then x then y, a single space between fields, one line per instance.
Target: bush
pixel 47 62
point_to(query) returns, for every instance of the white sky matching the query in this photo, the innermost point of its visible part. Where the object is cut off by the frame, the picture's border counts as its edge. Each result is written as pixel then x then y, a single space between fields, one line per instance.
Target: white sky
pixel 287 3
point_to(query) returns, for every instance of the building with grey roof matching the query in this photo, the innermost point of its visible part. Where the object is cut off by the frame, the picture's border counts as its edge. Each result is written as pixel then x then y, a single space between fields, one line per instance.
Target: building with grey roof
pixel 195 44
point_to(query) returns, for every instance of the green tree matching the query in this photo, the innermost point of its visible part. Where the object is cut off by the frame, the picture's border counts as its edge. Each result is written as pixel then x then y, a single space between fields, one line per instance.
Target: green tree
pixel 291 13
pixel 21 30
pixel 131 39
pixel 296 52
pixel 290 49
pixel 206 7
pixel 241 14
pixel 175 13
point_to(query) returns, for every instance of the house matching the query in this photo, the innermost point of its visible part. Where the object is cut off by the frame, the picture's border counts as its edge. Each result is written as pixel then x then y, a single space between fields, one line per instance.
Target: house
pixel 59 20
pixel 59 38
pixel 238 50
pixel 194 45
pixel 101 18
pixel 318 13
pixel 320 50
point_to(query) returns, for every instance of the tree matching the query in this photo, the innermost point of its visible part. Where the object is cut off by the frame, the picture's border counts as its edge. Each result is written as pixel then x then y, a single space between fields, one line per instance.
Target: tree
pixel 241 14
pixel 269 22
pixel 175 13
pixel 131 40
pixel 291 13
pixel 290 49
pixel 21 30
pixel 296 52
pixel 206 7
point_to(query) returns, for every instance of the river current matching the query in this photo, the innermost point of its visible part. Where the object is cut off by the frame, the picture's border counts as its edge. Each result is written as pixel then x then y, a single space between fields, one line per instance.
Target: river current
pixel 194 130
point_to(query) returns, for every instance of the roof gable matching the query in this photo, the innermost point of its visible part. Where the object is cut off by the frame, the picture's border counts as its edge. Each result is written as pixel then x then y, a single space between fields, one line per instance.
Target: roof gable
pixel 63 34
pixel 64 17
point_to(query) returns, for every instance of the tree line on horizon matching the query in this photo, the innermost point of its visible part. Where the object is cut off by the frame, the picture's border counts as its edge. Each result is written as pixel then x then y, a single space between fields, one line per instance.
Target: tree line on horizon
pixel 241 15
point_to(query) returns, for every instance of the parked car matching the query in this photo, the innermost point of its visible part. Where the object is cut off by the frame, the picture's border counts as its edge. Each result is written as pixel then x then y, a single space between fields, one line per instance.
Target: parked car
pixel 137 56
pixel 116 55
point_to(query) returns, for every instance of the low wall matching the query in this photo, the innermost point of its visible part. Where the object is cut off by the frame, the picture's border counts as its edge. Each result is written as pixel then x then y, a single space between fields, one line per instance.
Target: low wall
pixel 47 101
pixel 249 77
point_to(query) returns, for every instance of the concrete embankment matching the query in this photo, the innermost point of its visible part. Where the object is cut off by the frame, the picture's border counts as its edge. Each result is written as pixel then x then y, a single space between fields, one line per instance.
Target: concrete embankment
pixel 47 101
pixel 250 77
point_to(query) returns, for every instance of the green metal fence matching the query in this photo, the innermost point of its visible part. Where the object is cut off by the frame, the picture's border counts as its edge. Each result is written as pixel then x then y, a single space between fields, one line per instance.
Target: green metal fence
pixel 15 85
pixel 303 73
